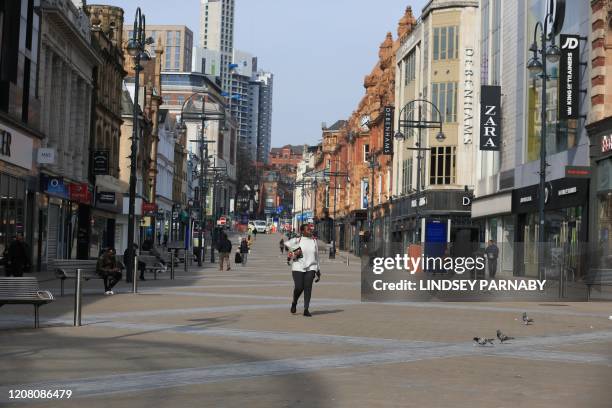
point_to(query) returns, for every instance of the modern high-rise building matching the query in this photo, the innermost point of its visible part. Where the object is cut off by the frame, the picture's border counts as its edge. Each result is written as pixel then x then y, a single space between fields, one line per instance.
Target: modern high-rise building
pixel 217 32
pixel 264 115
pixel 177 42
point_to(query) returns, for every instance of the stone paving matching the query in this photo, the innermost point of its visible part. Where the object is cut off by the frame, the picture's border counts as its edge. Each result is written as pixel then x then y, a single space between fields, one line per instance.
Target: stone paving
pixel 215 338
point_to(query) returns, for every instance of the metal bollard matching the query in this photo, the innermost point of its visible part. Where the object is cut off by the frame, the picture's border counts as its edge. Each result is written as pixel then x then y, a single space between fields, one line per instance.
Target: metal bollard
pixel 185 260
pixel 134 277
pixel 347 260
pixel 77 299
pixel 172 266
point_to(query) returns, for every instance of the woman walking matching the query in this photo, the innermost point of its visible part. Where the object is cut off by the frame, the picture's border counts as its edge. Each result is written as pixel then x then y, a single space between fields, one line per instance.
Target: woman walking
pixel 244 251
pixel 304 254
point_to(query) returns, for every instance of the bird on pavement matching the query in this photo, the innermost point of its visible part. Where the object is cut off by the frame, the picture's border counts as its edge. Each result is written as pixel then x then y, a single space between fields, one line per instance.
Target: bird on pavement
pixel 502 337
pixel 482 341
pixel 527 320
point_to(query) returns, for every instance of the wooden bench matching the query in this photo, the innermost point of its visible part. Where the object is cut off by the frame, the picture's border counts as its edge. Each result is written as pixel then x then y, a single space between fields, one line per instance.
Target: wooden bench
pixel 24 291
pixel 602 277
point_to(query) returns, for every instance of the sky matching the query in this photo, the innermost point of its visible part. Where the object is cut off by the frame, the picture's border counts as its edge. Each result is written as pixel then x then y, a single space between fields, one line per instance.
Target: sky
pixel 319 51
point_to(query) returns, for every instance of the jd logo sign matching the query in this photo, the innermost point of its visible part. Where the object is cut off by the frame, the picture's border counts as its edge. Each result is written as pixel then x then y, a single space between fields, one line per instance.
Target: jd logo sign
pixel 490 117
pixel 569 82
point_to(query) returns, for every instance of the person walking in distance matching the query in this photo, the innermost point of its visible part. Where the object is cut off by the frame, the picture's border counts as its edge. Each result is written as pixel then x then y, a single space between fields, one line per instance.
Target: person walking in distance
pixel 108 268
pixel 304 254
pixel 282 246
pixel 17 258
pixel 492 253
pixel 224 246
pixel 244 251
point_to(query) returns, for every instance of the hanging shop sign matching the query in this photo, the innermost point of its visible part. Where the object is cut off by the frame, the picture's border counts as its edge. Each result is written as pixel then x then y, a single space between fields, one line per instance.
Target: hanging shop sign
pixel 388 130
pixel 606 143
pixel 569 78
pixel 107 197
pixel 53 185
pixel 149 209
pixel 101 162
pixel 45 155
pixel 490 117
pixel 79 192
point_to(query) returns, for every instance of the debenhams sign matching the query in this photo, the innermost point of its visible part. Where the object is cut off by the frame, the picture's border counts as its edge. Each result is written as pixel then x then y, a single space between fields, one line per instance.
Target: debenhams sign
pixel 468 97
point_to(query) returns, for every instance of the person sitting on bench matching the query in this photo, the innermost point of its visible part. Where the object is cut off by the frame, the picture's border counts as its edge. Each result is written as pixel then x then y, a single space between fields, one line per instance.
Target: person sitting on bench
pixel 108 268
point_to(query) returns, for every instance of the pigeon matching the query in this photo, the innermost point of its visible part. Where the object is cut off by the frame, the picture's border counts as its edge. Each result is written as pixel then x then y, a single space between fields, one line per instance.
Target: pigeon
pixel 527 320
pixel 502 337
pixel 482 341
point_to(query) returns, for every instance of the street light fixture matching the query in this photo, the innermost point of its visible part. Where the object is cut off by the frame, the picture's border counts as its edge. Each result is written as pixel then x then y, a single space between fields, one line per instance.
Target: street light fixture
pixel 547 53
pixel 428 116
pixel 203 116
pixel 136 49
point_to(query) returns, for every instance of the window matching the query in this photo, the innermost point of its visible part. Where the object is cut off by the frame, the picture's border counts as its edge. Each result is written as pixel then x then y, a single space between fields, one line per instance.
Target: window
pixel 442 168
pixel 181 100
pixel 444 96
pixel 407 176
pixel 410 67
pixel 366 152
pixel 446 43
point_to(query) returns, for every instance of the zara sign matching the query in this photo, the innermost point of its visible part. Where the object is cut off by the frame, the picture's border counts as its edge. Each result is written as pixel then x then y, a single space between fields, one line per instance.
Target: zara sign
pixel 490 117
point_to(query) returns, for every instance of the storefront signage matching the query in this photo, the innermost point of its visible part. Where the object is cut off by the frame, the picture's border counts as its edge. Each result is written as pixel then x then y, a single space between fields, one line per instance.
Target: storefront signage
pixel 490 117
pixel 468 97
pixel 101 162
pixel 388 130
pixel 107 197
pixel 15 147
pixel 466 201
pixel 569 78
pixel 606 143
pixel 567 191
pixel 45 155
pixel 80 193
pixel 365 193
pixel 149 209
pixel 53 185
pixel 527 199
pixel 577 171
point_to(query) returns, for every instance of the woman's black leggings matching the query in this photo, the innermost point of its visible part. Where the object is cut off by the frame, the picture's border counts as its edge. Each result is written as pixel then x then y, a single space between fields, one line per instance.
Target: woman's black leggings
pixel 111 279
pixel 303 283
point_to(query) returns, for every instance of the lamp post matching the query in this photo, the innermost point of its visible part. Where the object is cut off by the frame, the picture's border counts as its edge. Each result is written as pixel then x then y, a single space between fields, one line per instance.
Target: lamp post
pixel 136 49
pixel 203 116
pixel 549 53
pixel 335 174
pixel 428 116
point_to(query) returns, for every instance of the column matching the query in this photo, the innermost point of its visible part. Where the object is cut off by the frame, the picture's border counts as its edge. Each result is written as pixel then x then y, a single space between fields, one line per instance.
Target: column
pixel 73 151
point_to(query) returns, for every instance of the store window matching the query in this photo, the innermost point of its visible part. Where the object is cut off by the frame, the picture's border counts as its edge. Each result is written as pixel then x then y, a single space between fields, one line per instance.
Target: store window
pixel 12 209
pixel 444 96
pixel 446 43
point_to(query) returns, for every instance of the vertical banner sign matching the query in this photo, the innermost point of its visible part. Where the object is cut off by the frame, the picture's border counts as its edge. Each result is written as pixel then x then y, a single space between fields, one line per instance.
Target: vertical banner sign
pixel 101 162
pixel 490 117
pixel 569 81
pixel 388 130
pixel 365 193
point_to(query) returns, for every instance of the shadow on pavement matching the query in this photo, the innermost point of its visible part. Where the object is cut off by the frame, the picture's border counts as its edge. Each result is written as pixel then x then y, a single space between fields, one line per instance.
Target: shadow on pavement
pixel 72 362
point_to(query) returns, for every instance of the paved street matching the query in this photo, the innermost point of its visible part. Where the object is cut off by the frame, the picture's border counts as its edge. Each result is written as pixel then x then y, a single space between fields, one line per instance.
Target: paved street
pixel 227 339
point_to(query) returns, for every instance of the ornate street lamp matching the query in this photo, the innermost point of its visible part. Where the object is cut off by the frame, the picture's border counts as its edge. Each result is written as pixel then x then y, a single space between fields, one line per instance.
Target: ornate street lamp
pixel 428 116
pixel 136 49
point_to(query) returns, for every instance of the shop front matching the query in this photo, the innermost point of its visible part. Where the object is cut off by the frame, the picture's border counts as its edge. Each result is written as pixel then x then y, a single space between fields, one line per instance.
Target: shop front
pixel 600 134
pixel 17 185
pixel 566 232
pixel 434 220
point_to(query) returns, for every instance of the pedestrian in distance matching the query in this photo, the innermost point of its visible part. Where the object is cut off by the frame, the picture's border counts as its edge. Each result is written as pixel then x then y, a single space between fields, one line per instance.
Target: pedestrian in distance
pixel 492 253
pixel 17 258
pixel 237 257
pixel 282 246
pixel 224 246
pixel 108 269
pixel 254 234
pixel 303 252
pixel 244 251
